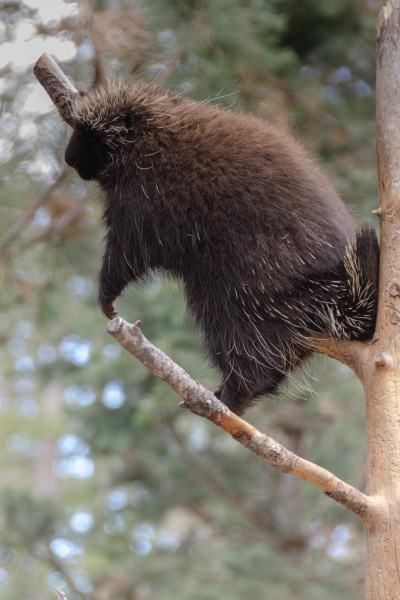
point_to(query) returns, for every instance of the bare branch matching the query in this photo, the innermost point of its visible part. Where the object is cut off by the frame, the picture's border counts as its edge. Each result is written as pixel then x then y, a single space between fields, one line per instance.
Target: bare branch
pixel 31 209
pixel 61 595
pixel 61 91
pixel 58 225
pixel 203 403
pixel 352 353
pixel 214 482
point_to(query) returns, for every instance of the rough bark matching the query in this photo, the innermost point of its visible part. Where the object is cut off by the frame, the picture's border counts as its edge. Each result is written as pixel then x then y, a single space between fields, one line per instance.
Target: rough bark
pixel 381 374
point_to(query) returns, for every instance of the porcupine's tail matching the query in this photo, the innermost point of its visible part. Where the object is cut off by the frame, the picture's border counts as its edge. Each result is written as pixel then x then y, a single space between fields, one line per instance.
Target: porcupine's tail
pixel 361 264
pixel 347 296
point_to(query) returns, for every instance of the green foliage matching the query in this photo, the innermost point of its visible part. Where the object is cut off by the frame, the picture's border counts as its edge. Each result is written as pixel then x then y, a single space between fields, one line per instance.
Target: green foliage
pixel 34 519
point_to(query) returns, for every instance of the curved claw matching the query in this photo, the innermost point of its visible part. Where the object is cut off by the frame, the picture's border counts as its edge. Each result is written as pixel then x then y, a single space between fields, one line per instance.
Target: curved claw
pixel 109 311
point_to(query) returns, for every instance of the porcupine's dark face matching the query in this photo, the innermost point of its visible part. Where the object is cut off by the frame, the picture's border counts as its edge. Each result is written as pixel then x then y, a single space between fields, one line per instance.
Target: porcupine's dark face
pixel 86 153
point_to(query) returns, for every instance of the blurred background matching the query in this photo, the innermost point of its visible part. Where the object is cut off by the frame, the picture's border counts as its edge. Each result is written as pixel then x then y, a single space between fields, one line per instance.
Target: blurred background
pixel 107 488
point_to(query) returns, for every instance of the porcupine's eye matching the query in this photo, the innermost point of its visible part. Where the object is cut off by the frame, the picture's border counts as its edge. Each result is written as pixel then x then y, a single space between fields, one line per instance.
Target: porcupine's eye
pixel 86 153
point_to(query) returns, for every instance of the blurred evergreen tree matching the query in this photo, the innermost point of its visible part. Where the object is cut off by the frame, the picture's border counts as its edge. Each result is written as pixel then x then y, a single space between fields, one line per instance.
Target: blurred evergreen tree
pixel 107 485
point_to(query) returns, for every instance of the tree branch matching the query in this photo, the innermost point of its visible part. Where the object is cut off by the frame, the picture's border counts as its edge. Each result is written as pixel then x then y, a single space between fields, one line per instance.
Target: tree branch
pixel 352 353
pixel 31 209
pixel 202 402
pixel 214 482
pixel 61 91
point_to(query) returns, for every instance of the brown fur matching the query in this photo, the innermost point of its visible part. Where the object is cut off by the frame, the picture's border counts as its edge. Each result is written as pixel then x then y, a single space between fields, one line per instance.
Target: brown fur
pixel 238 211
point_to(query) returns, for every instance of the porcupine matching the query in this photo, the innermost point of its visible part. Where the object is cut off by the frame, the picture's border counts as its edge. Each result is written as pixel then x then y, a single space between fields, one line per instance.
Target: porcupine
pixel 227 203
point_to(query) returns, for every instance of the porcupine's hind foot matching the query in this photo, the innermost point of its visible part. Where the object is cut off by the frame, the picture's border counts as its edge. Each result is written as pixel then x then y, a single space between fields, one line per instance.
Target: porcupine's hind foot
pixel 238 398
pixel 247 376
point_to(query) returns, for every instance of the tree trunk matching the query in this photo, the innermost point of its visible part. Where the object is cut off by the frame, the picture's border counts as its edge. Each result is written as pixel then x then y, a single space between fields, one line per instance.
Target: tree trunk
pixel 381 377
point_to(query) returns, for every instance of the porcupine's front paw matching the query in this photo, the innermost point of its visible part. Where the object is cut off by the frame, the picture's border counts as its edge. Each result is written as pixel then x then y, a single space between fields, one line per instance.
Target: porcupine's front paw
pixel 108 310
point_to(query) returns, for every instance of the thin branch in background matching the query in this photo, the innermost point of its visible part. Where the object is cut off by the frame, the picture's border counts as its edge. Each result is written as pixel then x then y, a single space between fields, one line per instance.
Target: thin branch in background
pixel 57 226
pixel 256 518
pixel 31 209
pixel 59 566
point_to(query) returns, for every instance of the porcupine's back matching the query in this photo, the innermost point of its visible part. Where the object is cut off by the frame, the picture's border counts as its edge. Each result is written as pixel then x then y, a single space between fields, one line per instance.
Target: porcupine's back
pixel 232 206
pixel 196 169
